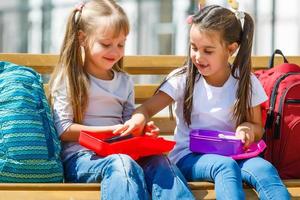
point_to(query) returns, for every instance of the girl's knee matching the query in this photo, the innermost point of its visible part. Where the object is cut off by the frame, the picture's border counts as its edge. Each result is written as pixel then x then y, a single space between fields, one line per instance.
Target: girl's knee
pixel 260 166
pixel 159 160
pixel 228 163
pixel 159 165
pixel 226 166
pixel 123 163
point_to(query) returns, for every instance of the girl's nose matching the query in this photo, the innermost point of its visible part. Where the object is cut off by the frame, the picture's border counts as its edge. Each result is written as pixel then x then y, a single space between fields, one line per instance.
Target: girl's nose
pixel 115 51
pixel 198 55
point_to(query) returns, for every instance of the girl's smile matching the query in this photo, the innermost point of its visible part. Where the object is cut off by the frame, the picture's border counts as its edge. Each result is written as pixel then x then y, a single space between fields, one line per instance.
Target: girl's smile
pixel 209 56
pixel 104 52
pixel 112 60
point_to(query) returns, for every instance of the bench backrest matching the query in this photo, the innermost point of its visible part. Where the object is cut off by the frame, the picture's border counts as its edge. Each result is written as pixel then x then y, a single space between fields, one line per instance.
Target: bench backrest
pixel 135 65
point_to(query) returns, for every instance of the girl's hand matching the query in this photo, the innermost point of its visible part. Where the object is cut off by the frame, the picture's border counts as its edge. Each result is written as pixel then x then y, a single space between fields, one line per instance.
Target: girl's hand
pixel 134 126
pixel 116 127
pixel 245 133
pixel 130 126
pixel 151 129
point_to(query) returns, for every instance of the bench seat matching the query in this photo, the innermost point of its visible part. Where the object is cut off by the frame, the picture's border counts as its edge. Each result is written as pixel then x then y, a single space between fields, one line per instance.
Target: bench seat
pixel 72 191
pixel 134 65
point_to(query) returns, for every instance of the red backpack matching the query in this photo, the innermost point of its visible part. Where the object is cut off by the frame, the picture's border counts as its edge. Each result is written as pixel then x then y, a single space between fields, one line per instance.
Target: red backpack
pixel 281 116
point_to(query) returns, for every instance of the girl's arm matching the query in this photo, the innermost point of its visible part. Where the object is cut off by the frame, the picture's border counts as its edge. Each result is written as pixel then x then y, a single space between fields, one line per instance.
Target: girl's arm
pixel 252 130
pixel 143 113
pixel 72 133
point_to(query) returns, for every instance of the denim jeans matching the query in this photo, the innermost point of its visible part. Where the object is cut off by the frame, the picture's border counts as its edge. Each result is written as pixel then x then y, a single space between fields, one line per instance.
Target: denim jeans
pixel 164 180
pixel 228 174
pixel 123 178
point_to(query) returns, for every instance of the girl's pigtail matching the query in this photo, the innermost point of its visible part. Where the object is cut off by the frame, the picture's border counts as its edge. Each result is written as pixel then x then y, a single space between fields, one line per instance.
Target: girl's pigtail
pixel 71 60
pixel 242 62
pixel 189 90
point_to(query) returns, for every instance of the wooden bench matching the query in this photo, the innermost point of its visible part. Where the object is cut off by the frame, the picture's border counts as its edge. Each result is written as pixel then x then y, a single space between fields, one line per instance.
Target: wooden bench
pixel 134 65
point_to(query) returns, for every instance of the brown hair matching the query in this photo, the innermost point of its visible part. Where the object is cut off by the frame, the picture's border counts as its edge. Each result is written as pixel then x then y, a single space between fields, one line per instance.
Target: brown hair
pixel 86 18
pixel 225 22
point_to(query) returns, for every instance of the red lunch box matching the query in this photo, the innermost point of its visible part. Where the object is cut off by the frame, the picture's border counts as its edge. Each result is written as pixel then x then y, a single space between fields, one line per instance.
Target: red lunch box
pixel 136 147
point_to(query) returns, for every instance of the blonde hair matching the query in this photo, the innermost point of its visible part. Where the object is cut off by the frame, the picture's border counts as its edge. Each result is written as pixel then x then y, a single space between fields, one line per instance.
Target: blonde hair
pixel 86 18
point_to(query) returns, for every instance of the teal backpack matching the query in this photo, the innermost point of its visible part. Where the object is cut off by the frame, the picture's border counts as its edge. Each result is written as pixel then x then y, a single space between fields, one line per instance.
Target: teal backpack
pixel 29 144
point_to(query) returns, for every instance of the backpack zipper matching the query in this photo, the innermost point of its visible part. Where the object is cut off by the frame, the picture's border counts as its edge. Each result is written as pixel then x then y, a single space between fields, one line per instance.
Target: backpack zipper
pixel 280 110
pixel 270 113
pixel 291 101
pixel 277 127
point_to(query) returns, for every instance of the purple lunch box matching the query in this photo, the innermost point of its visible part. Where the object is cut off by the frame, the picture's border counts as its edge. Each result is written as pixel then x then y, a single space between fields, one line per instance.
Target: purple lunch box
pixel 215 142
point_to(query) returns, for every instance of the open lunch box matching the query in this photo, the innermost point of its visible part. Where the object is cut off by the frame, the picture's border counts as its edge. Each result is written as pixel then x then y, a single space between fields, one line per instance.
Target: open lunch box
pixel 107 143
pixel 223 143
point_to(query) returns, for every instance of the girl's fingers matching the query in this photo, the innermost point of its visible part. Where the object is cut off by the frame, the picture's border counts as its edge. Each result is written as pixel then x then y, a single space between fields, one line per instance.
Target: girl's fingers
pixel 151 129
pixel 155 132
pixel 121 129
pixel 152 133
pixel 241 135
pixel 130 129
pixel 249 139
pixel 134 129
pixel 149 126
pixel 150 123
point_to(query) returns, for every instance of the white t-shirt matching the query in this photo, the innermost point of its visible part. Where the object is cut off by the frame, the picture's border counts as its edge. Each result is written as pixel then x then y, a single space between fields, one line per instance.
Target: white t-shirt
pixel 110 102
pixel 212 108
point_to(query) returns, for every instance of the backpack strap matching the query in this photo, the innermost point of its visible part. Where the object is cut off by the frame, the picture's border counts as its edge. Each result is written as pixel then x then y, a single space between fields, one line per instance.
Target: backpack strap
pixel 271 61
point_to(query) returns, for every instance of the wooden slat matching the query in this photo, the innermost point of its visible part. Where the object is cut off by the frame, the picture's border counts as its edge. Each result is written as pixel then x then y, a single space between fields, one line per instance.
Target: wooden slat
pixel 165 124
pixel 47 191
pixel 143 92
pixel 42 63
pixel 262 62
pixel 49 195
pixel 158 64
pixel 50 186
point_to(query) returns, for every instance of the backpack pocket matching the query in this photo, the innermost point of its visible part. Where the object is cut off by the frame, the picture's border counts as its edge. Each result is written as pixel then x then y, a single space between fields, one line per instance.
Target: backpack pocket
pixel 24 136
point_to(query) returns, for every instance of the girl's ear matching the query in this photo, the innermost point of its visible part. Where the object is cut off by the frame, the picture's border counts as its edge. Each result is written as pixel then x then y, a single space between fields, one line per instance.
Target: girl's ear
pixel 232 48
pixel 81 38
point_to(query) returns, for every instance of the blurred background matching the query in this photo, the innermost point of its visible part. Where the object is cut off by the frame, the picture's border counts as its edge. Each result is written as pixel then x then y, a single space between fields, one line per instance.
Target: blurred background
pixel 157 26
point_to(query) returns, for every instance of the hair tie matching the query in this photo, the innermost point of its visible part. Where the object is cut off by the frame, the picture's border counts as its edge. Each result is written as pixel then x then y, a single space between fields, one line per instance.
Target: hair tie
pixel 189 19
pixel 240 16
pixel 78 11
pixel 201 4
pixel 79 7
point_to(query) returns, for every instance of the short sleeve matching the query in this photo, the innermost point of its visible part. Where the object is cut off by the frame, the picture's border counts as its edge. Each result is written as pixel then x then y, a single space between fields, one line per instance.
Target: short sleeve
pixel 62 108
pixel 258 93
pixel 174 85
pixel 129 103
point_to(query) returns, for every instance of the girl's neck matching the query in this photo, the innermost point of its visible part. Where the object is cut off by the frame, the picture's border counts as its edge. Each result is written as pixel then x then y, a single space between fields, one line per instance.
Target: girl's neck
pixel 106 75
pixel 219 79
pixel 97 72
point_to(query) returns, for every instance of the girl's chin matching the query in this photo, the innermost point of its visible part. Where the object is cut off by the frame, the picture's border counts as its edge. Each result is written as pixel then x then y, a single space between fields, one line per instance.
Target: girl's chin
pixel 203 72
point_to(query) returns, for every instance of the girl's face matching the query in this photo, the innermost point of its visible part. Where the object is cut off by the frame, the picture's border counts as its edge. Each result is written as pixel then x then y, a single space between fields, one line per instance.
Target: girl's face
pixel 103 52
pixel 210 55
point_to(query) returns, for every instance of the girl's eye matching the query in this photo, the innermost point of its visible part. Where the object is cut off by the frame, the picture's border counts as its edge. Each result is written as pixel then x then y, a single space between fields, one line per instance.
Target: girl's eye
pixel 105 45
pixel 121 45
pixel 194 48
pixel 208 52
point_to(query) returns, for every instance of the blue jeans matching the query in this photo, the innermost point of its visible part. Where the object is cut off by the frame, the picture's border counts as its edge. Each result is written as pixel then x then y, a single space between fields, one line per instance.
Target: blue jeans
pixel 164 180
pixel 123 178
pixel 228 174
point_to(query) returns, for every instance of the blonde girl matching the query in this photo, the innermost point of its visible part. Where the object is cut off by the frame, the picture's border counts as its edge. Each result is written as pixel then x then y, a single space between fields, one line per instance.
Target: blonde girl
pixel 90 91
